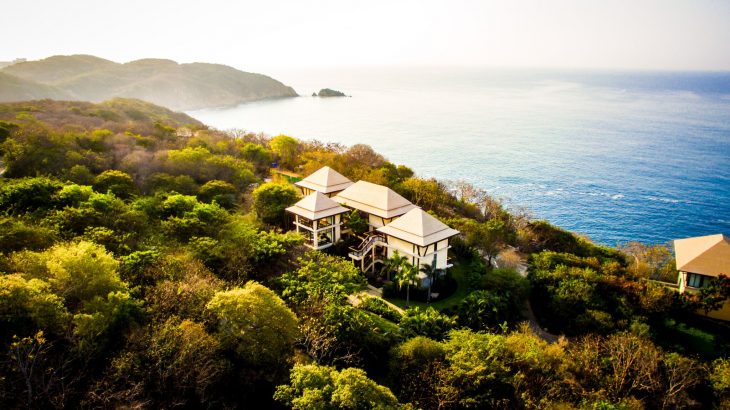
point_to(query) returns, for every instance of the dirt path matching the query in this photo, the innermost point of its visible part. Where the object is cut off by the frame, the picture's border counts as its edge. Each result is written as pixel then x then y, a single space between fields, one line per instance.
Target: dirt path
pixel 519 263
pixel 371 291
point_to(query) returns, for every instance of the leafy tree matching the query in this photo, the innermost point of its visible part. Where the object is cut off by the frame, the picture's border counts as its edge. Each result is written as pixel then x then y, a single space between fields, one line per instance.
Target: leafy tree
pixel 103 321
pixel 270 200
pixel 415 369
pixel 427 193
pixel 488 237
pixel 713 296
pixel 16 234
pixel 395 263
pixel 28 195
pixel 184 286
pixel 321 275
pixel 286 149
pixel 426 322
pixel 203 166
pixel 357 224
pixel 475 377
pixel 323 387
pixel 218 191
pixel 80 174
pixel 77 272
pixel 241 251
pixel 254 323
pixel 719 377
pixel 162 182
pixel 187 218
pixel 258 155
pixel 118 183
pixel 432 273
pixel 407 275
pixel 29 304
pixel 484 310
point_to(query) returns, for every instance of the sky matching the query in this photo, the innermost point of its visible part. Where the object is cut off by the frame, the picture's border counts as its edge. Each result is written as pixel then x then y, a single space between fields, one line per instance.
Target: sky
pixel 289 34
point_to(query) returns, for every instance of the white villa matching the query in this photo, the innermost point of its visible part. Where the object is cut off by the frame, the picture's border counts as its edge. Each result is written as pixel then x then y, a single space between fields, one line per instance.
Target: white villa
pixel 395 223
pixel 699 261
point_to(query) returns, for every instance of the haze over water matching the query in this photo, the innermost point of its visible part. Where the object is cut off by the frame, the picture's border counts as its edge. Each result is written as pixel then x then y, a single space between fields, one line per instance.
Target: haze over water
pixel 618 156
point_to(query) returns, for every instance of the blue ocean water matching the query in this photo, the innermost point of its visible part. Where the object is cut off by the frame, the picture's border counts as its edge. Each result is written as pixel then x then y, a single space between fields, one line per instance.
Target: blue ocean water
pixel 618 156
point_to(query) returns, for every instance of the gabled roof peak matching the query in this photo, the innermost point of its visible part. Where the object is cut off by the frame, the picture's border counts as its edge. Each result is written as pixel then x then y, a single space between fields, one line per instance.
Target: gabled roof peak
pixel 374 199
pixel 325 180
pixel 419 227
pixel 706 255
pixel 315 206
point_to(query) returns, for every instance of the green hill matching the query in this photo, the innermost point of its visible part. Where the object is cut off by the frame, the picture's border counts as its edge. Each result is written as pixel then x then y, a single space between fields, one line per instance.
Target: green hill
pixel 14 88
pixel 163 82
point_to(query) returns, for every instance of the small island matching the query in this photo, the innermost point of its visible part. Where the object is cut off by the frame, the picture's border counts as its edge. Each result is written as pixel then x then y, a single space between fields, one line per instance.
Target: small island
pixel 328 92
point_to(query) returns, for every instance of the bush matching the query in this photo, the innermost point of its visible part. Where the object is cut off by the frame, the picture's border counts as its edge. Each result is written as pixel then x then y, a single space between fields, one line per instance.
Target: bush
pixel 426 322
pixel 380 308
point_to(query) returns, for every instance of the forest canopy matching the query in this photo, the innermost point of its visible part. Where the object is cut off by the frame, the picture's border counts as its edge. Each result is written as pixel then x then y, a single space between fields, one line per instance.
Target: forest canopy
pixel 146 260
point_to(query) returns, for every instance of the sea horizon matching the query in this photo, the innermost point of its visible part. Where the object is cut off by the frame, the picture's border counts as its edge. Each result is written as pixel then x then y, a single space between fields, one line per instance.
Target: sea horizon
pixel 617 155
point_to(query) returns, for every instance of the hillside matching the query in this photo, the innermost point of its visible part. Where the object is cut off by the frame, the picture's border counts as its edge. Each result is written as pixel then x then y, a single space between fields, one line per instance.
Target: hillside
pixel 118 115
pixel 14 88
pixel 163 82
pixel 145 267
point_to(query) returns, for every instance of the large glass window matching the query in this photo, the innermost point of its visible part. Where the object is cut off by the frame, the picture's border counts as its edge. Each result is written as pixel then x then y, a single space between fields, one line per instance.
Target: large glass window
pixel 325 237
pixel 697 281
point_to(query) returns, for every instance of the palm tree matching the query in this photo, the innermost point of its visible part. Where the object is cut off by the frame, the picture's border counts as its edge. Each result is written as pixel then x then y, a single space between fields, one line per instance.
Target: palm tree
pixel 432 272
pixel 393 264
pixel 407 276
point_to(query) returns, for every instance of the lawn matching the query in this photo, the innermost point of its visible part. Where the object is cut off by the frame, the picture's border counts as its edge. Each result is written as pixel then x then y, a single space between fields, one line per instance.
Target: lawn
pixel 458 272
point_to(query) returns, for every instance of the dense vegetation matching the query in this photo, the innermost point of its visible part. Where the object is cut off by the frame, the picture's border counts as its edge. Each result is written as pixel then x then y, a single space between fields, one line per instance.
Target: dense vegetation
pixel 163 82
pixel 144 263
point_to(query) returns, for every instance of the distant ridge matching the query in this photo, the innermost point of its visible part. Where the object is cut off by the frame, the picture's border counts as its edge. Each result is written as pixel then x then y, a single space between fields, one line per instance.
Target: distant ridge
pixel 162 82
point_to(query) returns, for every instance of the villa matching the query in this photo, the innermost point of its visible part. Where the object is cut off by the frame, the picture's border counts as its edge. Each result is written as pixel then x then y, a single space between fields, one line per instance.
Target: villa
pixel 395 224
pixel 699 261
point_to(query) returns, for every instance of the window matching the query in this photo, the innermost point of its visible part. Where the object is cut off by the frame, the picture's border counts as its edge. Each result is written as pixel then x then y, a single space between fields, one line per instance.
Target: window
pixel 696 281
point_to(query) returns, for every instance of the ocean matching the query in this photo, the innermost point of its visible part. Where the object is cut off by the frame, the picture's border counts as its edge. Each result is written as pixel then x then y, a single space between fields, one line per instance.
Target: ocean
pixel 617 156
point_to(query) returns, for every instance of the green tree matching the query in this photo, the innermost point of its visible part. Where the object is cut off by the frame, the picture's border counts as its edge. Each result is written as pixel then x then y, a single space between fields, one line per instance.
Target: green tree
pixel 77 271
pixel 321 275
pixel 395 263
pixel 270 200
pixel 433 273
pixel 357 224
pixel 323 387
pixel 254 323
pixel 118 183
pixel 484 310
pixel 286 149
pixel 407 275
pixel 476 372
pixel 29 304
pixel 719 378
pixel 426 322
pixel 16 234
pixel 414 371
pixel 219 191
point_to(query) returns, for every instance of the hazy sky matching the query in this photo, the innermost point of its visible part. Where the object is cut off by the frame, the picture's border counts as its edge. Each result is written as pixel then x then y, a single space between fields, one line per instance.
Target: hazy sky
pixel 279 34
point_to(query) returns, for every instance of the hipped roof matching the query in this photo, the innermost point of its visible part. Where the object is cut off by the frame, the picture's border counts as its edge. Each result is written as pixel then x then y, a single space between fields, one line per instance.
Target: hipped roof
pixel 374 199
pixel 316 206
pixel 418 227
pixel 706 255
pixel 325 180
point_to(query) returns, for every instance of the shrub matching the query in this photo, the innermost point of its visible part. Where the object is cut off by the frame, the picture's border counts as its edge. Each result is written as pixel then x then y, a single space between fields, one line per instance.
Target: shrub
pixel 380 308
